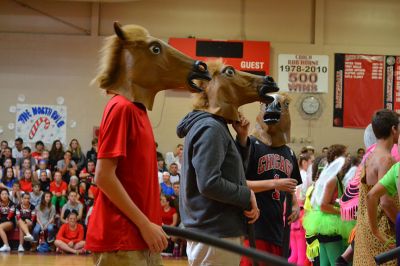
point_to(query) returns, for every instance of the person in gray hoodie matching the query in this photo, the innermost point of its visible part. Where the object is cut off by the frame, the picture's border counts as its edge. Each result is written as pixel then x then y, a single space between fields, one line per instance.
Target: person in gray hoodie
pixel 214 198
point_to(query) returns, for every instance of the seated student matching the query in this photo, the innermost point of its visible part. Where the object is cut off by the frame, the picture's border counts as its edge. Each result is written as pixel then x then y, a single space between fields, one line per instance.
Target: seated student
pixel 70 236
pixel 37 154
pixel 7 154
pixel 73 184
pixel 8 178
pixel 67 166
pixel 36 194
pixel 25 165
pixel 92 154
pixel 173 170
pixel 72 205
pixel 26 216
pixel 169 217
pixel 59 190
pixel 43 168
pixel 45 213
pixel 26 155
pixel 25 182
pixel 87 173
pixel 92 196
pixel 16 194
pixel 7 221
pixel 166 185
pixel 44 182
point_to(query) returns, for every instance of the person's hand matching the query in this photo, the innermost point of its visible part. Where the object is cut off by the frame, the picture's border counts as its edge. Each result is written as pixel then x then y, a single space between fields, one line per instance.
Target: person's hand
pixel 294 215
pixel 286 184
pixel 242 129
pixel 154 236
pixel 383 239
pixel 254 212
pixel 70 244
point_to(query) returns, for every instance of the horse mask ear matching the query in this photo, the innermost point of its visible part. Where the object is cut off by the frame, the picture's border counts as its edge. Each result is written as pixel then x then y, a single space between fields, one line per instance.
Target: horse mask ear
pixel 118 30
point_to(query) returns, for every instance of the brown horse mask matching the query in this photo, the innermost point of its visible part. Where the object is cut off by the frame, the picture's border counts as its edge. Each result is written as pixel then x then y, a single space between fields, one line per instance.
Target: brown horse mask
pixel 137 65
pixel 229 89
pixel 273 121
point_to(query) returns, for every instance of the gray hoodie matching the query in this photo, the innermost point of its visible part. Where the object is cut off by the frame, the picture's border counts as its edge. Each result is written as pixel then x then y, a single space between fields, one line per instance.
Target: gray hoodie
pixel 213 191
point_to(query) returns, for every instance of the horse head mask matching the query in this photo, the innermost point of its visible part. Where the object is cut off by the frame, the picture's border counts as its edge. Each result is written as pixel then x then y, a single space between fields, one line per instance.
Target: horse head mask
pixel 137 65
pixel 230 88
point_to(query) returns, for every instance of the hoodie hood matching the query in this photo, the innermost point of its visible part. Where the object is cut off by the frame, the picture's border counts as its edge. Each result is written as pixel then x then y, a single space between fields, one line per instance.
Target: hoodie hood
pixel 189 120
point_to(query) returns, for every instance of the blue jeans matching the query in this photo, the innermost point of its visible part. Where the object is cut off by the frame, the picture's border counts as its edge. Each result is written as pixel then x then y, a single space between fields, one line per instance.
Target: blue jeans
pixel 51 231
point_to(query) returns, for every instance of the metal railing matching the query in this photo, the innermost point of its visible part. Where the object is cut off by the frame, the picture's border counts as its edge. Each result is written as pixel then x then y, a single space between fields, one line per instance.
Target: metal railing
pixel 256 255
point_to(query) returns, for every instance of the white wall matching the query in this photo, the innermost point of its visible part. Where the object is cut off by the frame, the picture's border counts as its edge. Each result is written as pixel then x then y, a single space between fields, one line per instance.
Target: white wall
pixel 43 58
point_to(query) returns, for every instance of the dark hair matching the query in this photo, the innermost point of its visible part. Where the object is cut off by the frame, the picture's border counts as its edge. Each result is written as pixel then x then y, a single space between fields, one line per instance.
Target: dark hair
pixel 317 167
pixel 43 204
pixel 26 148
pixel 383 121
pixel 334 151
pixel 19 140
pixel 95 141
pixel 4 141
pixel 5 174
pixel 56 154
pixel 39 142
pixel 173 164
pixel 73 212
pixel 176 183
pixel 4 189
pixel 304 157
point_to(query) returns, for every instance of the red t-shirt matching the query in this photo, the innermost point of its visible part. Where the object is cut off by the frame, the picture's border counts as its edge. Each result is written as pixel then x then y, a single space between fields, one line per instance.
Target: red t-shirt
pixel 26 186
pixel 167 217
pixel 55 188
pixel 126 134
pixel 67 235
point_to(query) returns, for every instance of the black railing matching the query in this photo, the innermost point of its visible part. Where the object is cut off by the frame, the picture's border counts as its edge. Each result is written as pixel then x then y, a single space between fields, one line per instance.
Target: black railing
pixel 387 256
pixel 257 255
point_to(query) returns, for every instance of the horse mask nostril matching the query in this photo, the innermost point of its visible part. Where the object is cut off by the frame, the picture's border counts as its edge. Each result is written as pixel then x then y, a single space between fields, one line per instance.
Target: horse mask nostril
pixel 201 66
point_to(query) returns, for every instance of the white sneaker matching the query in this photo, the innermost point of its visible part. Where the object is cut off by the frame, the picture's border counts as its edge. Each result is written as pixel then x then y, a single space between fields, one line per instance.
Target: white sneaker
pixel 21 248
pixel 5 248
pixel 29 238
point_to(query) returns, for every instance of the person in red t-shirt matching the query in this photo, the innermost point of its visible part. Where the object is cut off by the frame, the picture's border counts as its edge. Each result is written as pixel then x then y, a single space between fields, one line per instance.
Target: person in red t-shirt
pixel 168 213
pixel 26 181
pixel 122 147
pixel 39 145
pixel 126 216
pixel 70 236
pixel 59 190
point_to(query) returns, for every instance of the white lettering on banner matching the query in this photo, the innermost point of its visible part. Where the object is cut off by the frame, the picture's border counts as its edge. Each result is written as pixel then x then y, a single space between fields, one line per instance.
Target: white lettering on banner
pixel 251 65
pixel 303 73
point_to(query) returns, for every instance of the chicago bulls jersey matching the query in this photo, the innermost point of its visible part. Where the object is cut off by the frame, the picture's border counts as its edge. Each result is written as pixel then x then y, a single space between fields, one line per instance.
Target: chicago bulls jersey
pixel 265 163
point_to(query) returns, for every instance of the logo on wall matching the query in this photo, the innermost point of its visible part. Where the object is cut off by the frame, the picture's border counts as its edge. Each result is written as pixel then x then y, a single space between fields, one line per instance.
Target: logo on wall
pixel 41 122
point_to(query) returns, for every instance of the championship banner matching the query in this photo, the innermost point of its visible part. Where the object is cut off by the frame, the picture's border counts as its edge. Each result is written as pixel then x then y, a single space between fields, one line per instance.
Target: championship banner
pixel 303 73
pixel 41 122
pixel 359 89
pixel 249 56
pixel 392 83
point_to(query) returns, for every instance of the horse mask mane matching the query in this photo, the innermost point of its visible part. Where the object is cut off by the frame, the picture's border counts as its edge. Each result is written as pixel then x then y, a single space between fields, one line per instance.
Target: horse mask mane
pixel 229 89
pixel 273 121
pixel 137 65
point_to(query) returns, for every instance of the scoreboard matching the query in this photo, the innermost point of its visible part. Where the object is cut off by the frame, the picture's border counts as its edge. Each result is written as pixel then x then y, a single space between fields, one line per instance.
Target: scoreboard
pixel 249 56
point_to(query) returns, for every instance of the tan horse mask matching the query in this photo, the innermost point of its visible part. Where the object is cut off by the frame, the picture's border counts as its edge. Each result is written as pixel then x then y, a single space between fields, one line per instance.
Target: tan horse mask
pixel 138 66
pixel 273 121
pixel 229 89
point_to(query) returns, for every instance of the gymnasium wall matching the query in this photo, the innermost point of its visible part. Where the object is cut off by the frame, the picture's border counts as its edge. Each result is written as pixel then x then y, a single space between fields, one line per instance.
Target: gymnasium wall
pixel 43 58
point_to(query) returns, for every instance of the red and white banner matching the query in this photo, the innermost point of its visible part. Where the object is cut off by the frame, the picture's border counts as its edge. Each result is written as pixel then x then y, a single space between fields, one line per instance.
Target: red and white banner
pixel 364 84
pixel 303 73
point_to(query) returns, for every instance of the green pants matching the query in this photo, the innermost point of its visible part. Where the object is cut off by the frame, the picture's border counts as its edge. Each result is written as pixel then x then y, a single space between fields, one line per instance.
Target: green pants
pixel 330 251
pixel 60 200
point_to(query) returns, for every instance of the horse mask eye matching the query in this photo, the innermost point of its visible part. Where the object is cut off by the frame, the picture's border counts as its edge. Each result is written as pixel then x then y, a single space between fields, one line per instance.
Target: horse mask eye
pixel 155 49
pixel 229 71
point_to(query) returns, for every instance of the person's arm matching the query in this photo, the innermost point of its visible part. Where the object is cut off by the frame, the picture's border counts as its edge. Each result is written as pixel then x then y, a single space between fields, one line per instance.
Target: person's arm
pixel 387 203
pixel 80 214
pixel 81 234
pixel 108 182
pixel 283 184
pixel 39 217
pixel 373 197
pixel 61 233
pixel 62 215
pixel 174 219
pixel 326 205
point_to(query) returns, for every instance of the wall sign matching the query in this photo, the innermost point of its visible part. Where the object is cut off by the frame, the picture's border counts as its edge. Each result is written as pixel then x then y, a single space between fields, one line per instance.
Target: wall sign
pixel 41 122
pixel 303 73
